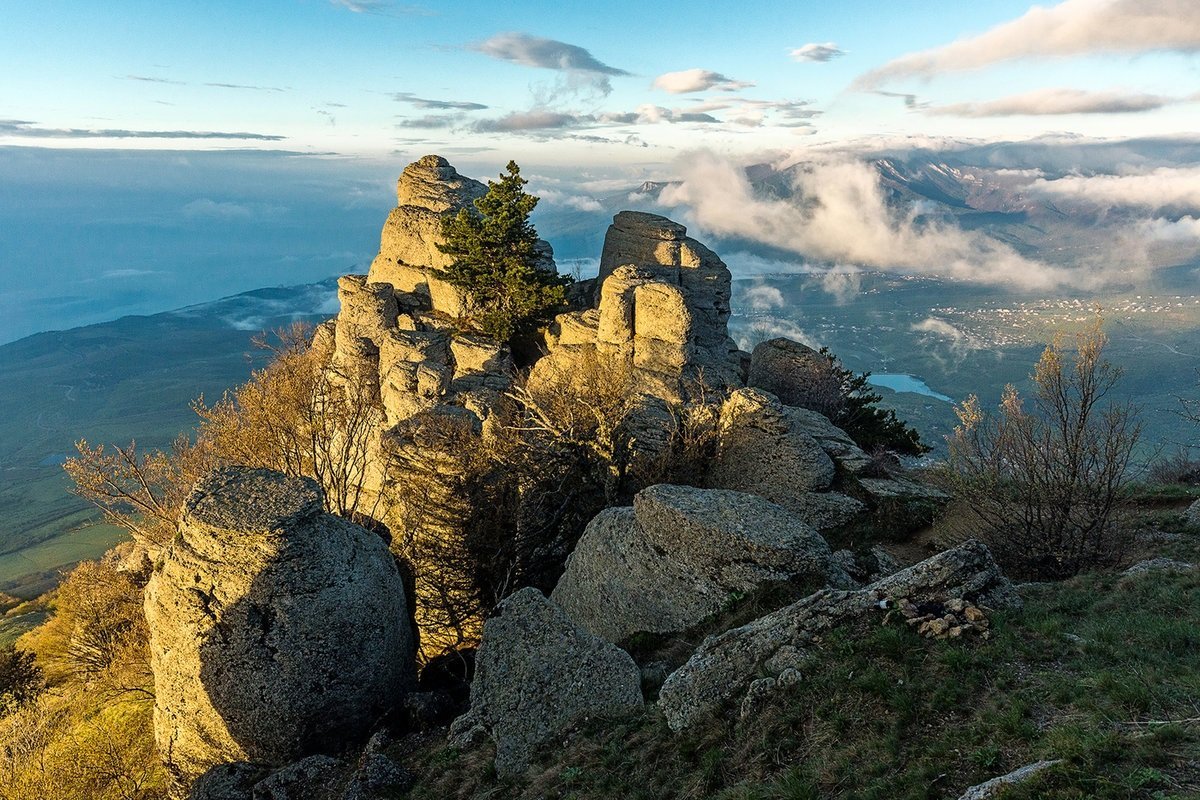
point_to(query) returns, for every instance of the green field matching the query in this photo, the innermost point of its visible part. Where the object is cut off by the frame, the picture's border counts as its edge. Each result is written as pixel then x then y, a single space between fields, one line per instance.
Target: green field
pixel 131 379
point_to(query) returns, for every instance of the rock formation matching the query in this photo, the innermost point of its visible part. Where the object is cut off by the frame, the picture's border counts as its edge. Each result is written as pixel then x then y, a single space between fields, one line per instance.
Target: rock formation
pixel 536 673
pixel 679 554
pixel 662 306
pixel 765 450
pixel 779 645
pixel 276 629
pixel 428 191
pixel 795 373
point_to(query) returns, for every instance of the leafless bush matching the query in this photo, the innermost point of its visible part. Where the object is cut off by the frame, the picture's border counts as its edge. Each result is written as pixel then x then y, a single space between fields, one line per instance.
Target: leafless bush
pixel 1047 483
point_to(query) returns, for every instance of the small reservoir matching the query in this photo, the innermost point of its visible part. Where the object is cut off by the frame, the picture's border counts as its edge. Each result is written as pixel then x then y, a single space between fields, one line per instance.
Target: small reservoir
pixel 905 383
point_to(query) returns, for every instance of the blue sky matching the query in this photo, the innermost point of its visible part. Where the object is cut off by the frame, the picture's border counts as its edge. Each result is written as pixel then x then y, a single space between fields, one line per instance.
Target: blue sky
pixel 148 150
pixel 574 83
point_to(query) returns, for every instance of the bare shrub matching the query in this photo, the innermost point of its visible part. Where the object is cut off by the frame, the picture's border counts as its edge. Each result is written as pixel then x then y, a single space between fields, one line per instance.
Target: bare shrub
pixel 1047 483
pixel 1177 468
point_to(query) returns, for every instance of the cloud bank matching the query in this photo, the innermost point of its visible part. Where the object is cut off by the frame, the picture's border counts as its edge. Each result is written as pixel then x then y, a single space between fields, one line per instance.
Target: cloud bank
pixel 29 130
pixel 1165 188
pixel 844 219
pixel 1071 28
pixel 1043 102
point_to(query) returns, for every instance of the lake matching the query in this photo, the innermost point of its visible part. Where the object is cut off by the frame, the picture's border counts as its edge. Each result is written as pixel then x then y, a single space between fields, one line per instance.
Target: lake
pixel 906 383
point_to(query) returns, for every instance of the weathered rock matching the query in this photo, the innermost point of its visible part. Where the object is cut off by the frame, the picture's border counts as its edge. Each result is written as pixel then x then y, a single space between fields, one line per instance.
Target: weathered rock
pixel 536 674
pixel 678 555
pixel 479 354
pixel 233 781
pixel 429 190
pixel 833 440
pixel 377 777
pixel 764 451
pixel 275 629
pixel 368 310
pixel 663 307
pixel 311 778
pixel 825 511
pixel 900 504
pixel 1192 515
pixel 996 786
pixel 795 373
pixel 724 665
pixel 1159 565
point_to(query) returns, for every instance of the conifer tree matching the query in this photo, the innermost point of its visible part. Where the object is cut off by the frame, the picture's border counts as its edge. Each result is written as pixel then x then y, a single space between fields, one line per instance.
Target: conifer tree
pixel 495 269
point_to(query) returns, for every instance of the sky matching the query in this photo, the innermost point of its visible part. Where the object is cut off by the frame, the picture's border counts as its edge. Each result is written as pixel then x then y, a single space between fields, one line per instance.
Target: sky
pixel 574 83
pixel 155 154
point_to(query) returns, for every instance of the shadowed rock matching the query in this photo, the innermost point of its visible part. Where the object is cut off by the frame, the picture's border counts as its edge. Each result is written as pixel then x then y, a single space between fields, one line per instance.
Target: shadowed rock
pixel 277 630
pixel 536 674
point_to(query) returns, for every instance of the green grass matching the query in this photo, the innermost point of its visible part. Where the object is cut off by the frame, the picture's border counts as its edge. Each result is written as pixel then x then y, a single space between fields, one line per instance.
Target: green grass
pixel 1098 671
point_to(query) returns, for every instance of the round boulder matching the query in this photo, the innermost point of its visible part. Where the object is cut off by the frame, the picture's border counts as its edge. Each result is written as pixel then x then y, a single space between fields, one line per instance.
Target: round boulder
pixel 276 630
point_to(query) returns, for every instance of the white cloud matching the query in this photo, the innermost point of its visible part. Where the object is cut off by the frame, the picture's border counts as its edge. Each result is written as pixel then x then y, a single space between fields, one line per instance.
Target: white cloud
pixel 1073 27
pixel 534 51
pixel 698 80
pixel 844 218
pixel 762 297
pixel 1059 101
pixel 814 51
pixel 1162 188
pixel 575 201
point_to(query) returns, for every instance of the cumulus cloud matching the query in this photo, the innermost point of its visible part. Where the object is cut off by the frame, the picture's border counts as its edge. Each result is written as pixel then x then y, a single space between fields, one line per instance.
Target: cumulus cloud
pixel 575 201
pixel 761 297
pixel 1160 189
pixel 1073 27
pixel 26 129
pixel 698 80
pixel 1184 229
pixel 1044 102
pixel 436 105
pixel 814 51
pixel 956 337
pixel 534 51
pixel 844 218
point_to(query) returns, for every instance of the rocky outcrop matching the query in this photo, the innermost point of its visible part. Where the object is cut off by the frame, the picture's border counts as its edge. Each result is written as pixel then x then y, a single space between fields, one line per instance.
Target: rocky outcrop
pixel 996 787
pixel 536 674
pixel 765 450
pixel 725 665
pixel 429 190
pixel 276 630
pixel 679 554
pixel 662 307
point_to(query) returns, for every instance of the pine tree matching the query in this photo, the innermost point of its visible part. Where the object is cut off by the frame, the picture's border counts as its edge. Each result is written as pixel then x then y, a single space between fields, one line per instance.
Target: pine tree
pixel 494 247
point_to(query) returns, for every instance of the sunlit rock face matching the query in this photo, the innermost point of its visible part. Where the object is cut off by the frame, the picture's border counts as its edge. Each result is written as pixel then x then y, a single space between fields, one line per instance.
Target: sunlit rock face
pixel 277 630
pixel 662 306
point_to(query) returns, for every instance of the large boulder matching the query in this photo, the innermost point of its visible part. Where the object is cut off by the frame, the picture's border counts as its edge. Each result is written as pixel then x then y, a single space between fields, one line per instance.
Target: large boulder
pixel 764 449
pixel 795 373
pixel 679 554
pixel 536 674
pixel 1192 515
pixel 778 646
pixel 276 630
